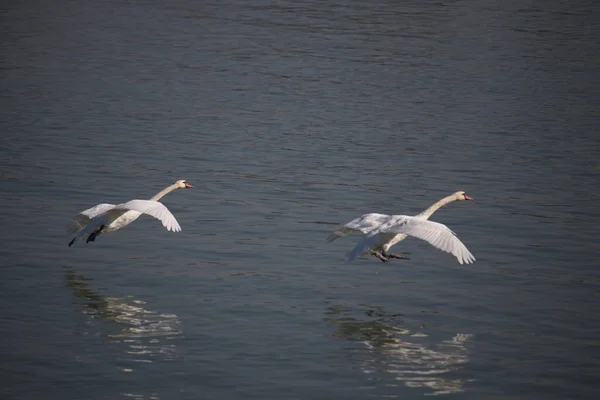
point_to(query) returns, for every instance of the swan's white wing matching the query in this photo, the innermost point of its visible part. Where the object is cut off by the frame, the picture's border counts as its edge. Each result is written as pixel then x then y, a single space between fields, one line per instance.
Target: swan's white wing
pixel 373 240
pixel 365 224
pixel 94 223
pixel 367 242
pixel 84 217
pixel 150 207
pixel 438 235
pixel 112 212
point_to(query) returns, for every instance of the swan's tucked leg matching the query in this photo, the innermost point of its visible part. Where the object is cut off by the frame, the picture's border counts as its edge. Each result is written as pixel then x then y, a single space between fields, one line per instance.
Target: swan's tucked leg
pixel 93 235
pixel 72 241
pixel 400 256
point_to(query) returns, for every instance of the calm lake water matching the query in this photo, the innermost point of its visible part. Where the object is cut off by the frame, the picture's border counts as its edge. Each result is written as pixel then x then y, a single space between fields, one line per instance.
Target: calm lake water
pixel 289 118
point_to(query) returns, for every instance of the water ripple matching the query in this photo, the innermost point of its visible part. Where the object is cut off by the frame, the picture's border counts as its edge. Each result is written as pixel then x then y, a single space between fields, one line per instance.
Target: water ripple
pixel 394 354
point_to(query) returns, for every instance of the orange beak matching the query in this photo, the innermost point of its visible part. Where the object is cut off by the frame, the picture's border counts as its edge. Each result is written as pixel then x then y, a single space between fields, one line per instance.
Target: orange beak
pixel 467 197
pixel 187 185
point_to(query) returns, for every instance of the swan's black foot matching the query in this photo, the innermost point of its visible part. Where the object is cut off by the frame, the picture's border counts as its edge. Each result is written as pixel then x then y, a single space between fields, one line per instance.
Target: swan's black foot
pixel 93 235
pixel 400 256
pixel 72 241
pixel 380 256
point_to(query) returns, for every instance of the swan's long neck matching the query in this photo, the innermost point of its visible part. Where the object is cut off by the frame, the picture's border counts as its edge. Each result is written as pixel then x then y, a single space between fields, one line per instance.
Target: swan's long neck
pixel 164 192
pixel 434 207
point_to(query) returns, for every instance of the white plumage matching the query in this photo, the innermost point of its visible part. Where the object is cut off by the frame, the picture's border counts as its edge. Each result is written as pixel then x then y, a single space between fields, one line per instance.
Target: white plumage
pixel 109 217
pixel 104 215
pixel 383 231
pixel 436 234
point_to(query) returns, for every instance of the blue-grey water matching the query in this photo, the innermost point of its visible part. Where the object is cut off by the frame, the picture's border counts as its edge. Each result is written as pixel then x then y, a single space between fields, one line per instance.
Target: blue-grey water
pixel 290 117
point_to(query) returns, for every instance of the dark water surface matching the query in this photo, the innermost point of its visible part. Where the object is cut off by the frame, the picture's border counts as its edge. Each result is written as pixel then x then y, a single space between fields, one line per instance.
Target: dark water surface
pixel 290 118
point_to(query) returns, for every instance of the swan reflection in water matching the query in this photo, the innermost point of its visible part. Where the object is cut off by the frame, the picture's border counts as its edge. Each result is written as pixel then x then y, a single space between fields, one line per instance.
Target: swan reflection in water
pixel 394 354
pixel 148 335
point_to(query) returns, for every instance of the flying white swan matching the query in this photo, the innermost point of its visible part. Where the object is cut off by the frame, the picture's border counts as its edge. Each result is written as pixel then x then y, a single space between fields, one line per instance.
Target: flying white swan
pixel 109 217
pixel 383 231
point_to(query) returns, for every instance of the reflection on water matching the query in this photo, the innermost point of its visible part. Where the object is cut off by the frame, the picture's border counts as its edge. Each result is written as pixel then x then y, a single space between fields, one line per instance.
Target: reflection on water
pixel 394 354
pixel 148 335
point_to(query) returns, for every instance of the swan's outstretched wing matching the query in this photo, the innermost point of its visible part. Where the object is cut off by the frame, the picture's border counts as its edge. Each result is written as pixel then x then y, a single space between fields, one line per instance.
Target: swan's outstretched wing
pixel 94 224
pixel 84 217
pixel 365 224
pixel 367 242
pixel 149 207
pixel 112 212
pixel 438 235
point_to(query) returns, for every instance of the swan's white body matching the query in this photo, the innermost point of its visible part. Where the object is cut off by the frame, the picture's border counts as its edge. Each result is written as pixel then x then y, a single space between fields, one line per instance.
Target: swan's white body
pixel 104 217
pixel 383 231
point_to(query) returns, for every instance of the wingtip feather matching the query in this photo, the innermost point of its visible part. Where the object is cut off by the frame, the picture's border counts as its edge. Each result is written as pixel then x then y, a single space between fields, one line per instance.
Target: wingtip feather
pixel 335 235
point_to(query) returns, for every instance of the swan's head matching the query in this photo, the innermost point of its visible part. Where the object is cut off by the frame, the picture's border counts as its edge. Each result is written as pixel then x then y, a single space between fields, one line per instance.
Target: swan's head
pixel 182 184
pixel 462 196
